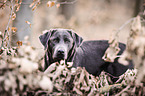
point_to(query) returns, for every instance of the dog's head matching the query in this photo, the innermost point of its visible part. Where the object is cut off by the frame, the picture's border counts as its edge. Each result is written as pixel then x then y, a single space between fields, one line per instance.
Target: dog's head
pixel 60 43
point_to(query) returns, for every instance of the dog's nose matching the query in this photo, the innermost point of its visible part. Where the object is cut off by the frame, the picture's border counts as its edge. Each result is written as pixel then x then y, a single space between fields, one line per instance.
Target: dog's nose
pixel 60 51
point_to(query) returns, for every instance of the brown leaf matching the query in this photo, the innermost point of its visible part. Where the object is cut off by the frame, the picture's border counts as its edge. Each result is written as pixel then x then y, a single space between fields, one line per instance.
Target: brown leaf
pixel 38 2
pixel 18 7
pixel 9 28
pixel 5 1
pixel 28 23
pixel 107 88
pixel 19 43
pixel 13 29
pixel 1 51
pixel 50 3
pixel 18 4
pixel 35 6
pixel 32 4
pixel 2 5
pixel 13 16
pixel 57 5
pixel 16 1
pixel 0 33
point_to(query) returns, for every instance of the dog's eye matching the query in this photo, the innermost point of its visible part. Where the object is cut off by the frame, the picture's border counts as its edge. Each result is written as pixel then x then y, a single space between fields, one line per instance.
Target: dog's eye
pixel 66 40
pixel 55 40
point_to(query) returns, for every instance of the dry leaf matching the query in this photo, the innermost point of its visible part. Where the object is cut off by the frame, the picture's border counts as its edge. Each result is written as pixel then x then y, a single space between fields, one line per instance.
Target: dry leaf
pixel 0 33
pixel 2 5
pixel 34 4
pixel 18 7
pixel 46 84
pixel 134 42
pixel 5 1
pixel 28 23
pixel 34 7
pixel 38 2
pixel 1 51
pixel 107 88
pixel 112 50
pixel 13 16
pixel 13 29
pixel 50 3
pixel 18 4
pixel 136 49
pixel 31 4
pixel 9 28
pixel 57 5
pixel 16 1
pixel 19 43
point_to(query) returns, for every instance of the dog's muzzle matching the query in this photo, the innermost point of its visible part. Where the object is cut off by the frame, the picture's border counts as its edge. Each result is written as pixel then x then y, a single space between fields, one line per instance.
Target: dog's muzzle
pixel 60 53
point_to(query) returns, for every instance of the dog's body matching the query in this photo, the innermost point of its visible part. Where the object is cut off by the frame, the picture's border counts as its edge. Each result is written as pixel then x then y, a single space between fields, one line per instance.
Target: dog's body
pixel 90 53
pixel 63 44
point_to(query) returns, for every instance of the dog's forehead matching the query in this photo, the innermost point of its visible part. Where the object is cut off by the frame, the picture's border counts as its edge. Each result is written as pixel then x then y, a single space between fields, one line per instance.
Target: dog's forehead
pixel 62 33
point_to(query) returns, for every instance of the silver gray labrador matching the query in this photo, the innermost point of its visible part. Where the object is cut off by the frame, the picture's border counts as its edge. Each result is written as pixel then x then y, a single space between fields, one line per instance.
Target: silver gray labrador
pixel 64 44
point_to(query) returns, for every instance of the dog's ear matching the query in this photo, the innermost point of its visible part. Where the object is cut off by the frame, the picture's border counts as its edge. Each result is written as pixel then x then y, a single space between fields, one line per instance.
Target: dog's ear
pixel 44 40
pixel 46 36
pixel 77 39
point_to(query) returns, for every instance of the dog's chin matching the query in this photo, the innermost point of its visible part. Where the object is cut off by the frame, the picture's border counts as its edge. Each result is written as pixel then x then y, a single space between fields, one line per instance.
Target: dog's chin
pixel 59 58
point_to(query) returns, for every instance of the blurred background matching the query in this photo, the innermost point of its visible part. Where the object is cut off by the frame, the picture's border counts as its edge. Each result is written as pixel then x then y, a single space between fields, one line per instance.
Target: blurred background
pixel 91 19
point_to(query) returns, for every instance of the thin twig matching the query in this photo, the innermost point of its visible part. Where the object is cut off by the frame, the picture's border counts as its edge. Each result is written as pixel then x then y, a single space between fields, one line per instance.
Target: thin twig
pixel 6 30
pixel 68 2
pixel 44 1
pixel 111 75
pixel 127 22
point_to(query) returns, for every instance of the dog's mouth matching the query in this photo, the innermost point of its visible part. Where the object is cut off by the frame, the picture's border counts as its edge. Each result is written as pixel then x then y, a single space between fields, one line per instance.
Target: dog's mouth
pixel 59 57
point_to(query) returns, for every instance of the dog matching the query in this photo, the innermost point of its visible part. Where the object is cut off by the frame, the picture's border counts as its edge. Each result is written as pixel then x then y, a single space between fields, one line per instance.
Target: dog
pixel 65 44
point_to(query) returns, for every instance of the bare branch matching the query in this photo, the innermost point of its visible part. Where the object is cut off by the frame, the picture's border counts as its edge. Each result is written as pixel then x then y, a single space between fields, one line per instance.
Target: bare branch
pixel 7 27
pixel 127 22
pixel 45 1
pixel 68 2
